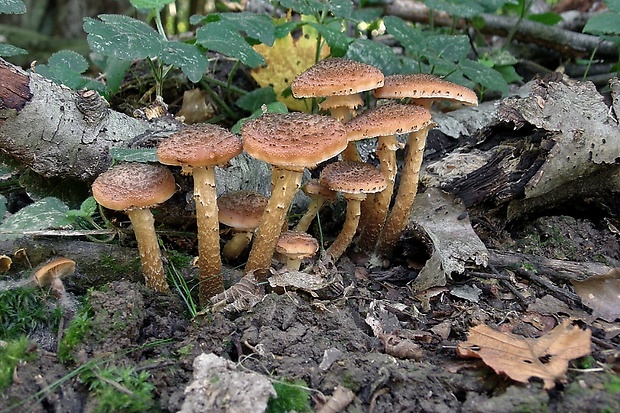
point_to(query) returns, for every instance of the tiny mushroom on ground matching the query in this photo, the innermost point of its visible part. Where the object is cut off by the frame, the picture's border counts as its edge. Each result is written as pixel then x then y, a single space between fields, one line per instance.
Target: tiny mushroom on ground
pixel 242 211
pixel 384 121
pixel 289 142
pixel 340 80
pixel 295 246
pixel 51 274
pixel 423 89
pixel 319 195
pixel 354 180
pixel 134 188
pixel 199 148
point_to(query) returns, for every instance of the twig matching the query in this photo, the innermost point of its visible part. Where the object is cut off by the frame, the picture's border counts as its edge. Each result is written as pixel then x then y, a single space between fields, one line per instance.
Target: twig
pixel 556 291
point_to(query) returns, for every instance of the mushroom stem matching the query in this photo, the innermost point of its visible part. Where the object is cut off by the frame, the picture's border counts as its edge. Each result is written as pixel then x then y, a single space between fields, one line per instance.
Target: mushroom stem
pixel 351 220
pixel 403 204
pixel 313 209
pixel 209 260
pixel 286 183
pixel 236 244
pixel 148 247
pixel 375 208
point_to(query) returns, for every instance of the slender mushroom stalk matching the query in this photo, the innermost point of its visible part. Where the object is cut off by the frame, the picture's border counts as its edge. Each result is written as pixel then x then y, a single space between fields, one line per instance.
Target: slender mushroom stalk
pixel 319 195
pixel 340 80
pixel 383 121
pixel 354 180
pixel 294 246
pixel 289 142
pixel 134 188
pixel 423 89
pixel 199 148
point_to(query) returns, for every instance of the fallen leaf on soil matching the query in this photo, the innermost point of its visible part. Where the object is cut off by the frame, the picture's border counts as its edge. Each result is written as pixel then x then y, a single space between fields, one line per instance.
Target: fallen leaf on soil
pixel 341 398
pixel 386 328
pixel 521 358
pixel 601 293
pixel 286 59
pixel 242 296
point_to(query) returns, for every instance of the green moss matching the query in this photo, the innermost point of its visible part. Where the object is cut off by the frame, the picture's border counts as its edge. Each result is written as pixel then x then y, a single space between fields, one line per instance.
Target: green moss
pixel 75 333
pixel 11 353
pixel 613 384
pixel 292 396
pixel 113 265
pixel 179 259
pixel 23 310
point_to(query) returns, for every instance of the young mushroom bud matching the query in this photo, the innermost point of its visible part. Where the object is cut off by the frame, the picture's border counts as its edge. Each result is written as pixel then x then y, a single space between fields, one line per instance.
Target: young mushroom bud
pixel 294 246
pixel 134 188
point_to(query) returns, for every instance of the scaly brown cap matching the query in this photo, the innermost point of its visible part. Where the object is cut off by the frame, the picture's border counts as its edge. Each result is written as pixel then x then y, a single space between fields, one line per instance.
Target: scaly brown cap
pixel 353 177
pixel 293 140
pixel 425 86
pixel 241 210
pixel 388 119
pixel 200 144
pixel 297 245
pixel 133 185
pixel 336 76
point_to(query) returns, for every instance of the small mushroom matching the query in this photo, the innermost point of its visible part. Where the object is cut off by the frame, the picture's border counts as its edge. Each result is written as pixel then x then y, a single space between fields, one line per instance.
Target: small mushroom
pixel 340 80
pixel 294 246
pixel 199 148
pixel 51 274
pixel 423 89
pixel 320 195
pixel 134 188
pixel 354 180
pixel 289 142
pixel 242 211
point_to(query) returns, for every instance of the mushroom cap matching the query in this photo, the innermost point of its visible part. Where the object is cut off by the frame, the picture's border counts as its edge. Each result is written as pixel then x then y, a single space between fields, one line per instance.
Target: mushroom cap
pixel 313 187
pixel 242 209
pixel 133 185
pixel 353 177
pixel 425 86
pixel 389 119
pixel 336 76
pixel 297 245
pixel 200 144
pixel 57 268
pixel 293 140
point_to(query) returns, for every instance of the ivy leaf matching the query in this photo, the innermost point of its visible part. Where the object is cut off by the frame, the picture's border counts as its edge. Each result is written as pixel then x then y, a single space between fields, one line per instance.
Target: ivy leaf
pixel 188 57
pixel 122 37
pixel 150 4
pixel 222 37
pixel 9 50
pixel 44 214
pixel 337 41
pixel 256 98
pixel 12 7
pixel 375 54
pixel 134 155
pixel 485 76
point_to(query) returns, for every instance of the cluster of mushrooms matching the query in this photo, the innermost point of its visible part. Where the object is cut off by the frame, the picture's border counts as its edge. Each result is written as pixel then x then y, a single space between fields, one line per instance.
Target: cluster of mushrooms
pixel 290 143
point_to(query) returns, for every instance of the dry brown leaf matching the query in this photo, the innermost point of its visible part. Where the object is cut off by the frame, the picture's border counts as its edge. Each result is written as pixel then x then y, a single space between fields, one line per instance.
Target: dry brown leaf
pixel 521 358
pixel 601 293
pixel 286 59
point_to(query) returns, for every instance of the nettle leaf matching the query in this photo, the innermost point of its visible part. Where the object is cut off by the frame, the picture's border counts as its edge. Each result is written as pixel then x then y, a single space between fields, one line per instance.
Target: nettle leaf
pixel 12 7
pixel 150 4
pixel 452 48
pixel 337 41
pixel 256 26
pixel 255 99
pixel 189 57
pixel 222 37
pixel 458 8
pixel 122 37
pixel 604 23
pixel 548 18
pixel 411 38
pixel 483 75
pixel 134 155
pixel 44 214
pixel 8 50
pixel 374 53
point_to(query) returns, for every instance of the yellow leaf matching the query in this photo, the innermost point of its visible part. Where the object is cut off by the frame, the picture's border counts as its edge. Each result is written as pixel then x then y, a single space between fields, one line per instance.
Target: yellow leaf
pixel 286 59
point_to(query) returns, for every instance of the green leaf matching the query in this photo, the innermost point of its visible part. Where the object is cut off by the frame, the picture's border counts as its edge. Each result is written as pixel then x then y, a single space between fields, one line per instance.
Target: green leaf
pixel 490 6
pixel 44 214
pixel 451 48
pixel 273 107
pixel 604 23
pixel 283 29
pixel 8 50
pixel 122 37
pixel 337 41
pixel 459 8
pixel 189 57
pixel 613 5
pixel 307 7
pixel 340 8
pixel 374 53
pixel 367 14
pixel 256 26
pixel 411 38
pixel 2 207
pixel 222 37
pixel 150 4
pixel 548 18
pixel 134 155
pixel 509 73
pixel 255 99
pixel 89 206
pixel 67 60
pixel 66 67
pixel 12 7
pixel 115 70
pixel 483 75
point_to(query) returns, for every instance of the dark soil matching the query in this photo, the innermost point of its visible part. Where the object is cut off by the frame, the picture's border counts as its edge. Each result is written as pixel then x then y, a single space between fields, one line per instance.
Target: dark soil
pixel 287 336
